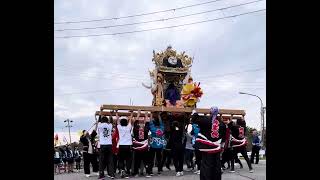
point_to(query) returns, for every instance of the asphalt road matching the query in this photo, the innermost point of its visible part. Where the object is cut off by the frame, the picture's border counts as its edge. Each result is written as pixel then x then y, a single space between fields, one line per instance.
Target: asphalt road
pixel 240 174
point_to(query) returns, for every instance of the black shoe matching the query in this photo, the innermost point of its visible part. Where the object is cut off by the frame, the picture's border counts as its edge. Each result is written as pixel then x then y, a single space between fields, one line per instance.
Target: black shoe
pixel 256 163
pixel 111 176
pixel 168 167
pixel 122 174
pixel 101 177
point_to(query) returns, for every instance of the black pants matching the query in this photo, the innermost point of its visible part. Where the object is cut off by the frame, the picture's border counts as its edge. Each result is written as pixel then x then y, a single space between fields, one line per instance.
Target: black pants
pixel 166 158
pixel 115 163
pixel 255 152
pixel 178 155
pixel 226 157
pixel 198 158
pixel 237 160
pixel 189 158
pixel 78 160
pixel 87 159
pixel 106 160
pixel 140 156
pixel 243 152
pixel 210 166
pixel 125 158
pixel 158 153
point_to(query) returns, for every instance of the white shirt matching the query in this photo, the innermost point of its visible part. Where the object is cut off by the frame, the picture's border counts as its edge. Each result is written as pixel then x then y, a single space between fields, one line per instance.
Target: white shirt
pixel 104 130
pixel 90 149
pixel 71 153
pixel 125 137
pixel 57 155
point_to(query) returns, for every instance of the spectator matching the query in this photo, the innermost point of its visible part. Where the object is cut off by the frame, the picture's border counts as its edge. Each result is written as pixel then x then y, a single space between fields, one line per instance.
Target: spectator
pixel 57 160
pixel 64 157
pixel 77 158
pixel 255 147
pixel 88 154
pixel 70 159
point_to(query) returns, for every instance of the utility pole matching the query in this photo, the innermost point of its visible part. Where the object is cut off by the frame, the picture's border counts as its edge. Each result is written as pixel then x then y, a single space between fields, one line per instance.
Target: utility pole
pixel 69 126
pixel 262 116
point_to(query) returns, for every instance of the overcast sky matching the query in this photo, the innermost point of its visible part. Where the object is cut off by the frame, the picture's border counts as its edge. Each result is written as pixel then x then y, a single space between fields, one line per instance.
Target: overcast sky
pixel 91 71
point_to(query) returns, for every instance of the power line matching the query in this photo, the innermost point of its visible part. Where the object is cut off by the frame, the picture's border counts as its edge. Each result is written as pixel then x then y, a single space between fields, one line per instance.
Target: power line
pixel 65 67
pixel 109 73
pixel 101 77
pixel 129 32
pixel 228 74
pixel 198 78
pixel 136 15
pixel 243 85
pixel 145 22
pixel 96 91
pixel 104 90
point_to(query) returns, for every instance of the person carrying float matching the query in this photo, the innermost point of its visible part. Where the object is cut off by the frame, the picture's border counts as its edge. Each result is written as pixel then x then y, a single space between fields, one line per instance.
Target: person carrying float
pixel 210 141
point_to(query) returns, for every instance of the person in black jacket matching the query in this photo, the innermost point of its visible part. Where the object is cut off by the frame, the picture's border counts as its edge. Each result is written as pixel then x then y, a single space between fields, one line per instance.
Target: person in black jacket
pixel 194 132
pixel 211 141
pixel 227 154
pixel 88 154
pixel 140 144
pixel 178 146
pixel 77 158
pixel 167 155
pixel 57 159
pixel 239 143
pixel 70 159
pixel 64 157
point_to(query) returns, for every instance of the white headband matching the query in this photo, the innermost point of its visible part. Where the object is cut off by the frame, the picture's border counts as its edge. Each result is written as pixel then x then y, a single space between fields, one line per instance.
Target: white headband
pixel 193 112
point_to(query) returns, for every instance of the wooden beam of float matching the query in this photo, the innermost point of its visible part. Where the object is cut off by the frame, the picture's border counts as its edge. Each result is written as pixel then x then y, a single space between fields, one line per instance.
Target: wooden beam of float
pixel 108 113
pixel 169 109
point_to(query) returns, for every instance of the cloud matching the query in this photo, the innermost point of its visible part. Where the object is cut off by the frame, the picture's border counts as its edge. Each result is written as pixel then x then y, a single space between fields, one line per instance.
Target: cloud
pixel 121 62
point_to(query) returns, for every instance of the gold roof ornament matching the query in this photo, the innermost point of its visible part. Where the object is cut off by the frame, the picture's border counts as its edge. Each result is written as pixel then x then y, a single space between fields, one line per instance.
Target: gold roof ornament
pixel 159 57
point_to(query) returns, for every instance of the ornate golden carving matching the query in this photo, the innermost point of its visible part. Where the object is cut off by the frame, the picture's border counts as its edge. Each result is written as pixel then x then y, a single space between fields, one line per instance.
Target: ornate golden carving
pixel 185 60
pixel 173 70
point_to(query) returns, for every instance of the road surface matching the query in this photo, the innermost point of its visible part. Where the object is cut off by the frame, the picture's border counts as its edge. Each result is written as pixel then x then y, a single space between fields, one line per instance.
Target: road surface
pixel 240 174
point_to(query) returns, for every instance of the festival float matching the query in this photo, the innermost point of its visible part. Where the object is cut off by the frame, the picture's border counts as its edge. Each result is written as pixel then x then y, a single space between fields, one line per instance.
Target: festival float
pixel 172 87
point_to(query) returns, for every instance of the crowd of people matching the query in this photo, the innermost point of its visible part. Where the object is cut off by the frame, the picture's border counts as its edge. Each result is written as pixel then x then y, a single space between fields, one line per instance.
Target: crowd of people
pixel 65 158
pixel 130 144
